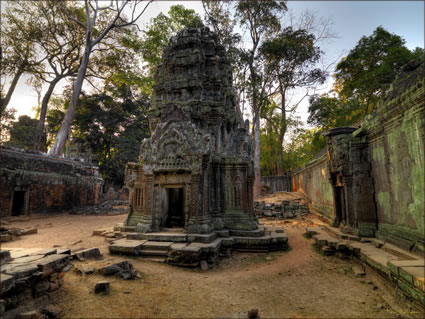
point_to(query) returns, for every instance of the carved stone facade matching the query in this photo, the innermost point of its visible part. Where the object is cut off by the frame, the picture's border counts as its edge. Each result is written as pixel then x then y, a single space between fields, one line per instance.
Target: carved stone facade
pixel 196 170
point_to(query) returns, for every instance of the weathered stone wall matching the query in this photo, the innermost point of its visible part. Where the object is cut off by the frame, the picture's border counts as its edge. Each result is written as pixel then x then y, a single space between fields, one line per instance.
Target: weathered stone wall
pixel 44 183
pixel 396 142
pixel 379 167
pixel 278 183
pixel 313 181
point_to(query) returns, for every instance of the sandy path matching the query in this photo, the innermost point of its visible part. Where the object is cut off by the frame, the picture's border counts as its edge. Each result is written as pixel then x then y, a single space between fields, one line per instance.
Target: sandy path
pixel 298 283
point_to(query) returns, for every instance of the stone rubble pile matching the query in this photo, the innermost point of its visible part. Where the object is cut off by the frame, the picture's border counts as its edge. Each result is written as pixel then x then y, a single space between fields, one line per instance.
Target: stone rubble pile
pixel 287 209
pixel 113 207
pixel 30 279
pixel 9 234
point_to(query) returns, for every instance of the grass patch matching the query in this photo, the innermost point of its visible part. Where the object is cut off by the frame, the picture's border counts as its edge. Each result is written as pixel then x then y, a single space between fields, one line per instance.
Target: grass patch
pixel 317 249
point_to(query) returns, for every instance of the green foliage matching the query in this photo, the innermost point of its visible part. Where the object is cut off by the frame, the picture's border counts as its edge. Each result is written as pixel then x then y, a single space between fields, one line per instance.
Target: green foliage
pixel 303 148
pixel 328 112
pixel 21 132
pixel 6 122
pixel 113 123
pixel 371 66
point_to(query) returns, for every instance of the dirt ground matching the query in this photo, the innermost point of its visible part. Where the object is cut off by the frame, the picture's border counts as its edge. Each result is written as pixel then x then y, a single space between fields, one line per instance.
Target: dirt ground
pixel 298 283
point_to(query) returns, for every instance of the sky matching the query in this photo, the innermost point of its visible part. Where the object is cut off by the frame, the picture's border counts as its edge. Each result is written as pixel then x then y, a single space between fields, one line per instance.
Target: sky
pixel 350 21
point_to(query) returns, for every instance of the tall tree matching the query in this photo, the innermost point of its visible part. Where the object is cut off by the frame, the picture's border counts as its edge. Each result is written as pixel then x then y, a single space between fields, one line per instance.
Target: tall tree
pixel 61 41
pixel 371 66
pixel 292 57
pixel 94 11
pixel 260 19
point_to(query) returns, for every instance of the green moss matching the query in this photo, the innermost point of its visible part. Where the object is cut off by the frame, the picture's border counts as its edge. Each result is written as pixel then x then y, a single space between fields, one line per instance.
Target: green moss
pixel 384 202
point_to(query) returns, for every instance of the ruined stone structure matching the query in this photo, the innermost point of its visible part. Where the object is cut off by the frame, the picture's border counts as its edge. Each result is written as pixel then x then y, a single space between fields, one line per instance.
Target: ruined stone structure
pixel 196 170
pixel 36 183
pixel 191 193
pixel 371 180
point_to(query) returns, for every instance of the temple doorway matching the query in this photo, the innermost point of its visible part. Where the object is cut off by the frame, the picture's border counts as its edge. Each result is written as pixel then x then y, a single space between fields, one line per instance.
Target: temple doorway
pixel 175 214
pixel 18 204
pixel 340 205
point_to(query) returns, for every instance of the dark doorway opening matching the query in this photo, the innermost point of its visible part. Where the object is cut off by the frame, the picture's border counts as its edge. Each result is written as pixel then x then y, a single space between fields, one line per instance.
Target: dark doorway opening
pixel 18 204
pixel 175 216
pixel 340 205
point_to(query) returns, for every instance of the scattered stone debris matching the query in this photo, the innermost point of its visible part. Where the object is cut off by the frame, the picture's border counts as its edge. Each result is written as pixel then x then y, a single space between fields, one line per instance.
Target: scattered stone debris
pixel 52 311
pixel 28 279
pixel 287 209
pixel 204 265
pixel 113 207
pixel 123 269
pixel 101 286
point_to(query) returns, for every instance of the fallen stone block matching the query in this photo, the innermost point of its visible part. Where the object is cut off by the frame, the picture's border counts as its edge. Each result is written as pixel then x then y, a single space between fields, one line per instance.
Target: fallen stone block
pixel 90 253
pixel 4 256
pixel 29 231
pixel 7 282
pixel 19 270
pixel 84 270
pixel 101 286
pixel 52 263
pixel 124 269
pixel 98 232
pixel 5 237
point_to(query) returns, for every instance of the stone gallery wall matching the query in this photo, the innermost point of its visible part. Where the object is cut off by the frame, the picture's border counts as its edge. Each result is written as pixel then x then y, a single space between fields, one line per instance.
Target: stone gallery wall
pixel 281 183
pixel 372 178
pixel 313 181
pixel 35 183
pixel 395 136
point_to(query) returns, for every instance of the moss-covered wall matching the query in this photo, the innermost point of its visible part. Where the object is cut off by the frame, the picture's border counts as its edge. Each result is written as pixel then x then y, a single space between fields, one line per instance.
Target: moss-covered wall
pixel 388 149
pixel 313 181
pixel 396 140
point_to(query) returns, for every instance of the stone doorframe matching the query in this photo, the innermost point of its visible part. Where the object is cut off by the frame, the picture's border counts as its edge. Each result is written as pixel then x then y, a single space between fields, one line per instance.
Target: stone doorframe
pixel 161 183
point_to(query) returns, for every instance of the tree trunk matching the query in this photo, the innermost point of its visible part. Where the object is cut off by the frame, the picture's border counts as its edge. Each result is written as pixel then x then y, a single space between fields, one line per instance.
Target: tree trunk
pixel 6 100
pixel 43 111
pixel 257 170
pixel 59 145
pixel 283 125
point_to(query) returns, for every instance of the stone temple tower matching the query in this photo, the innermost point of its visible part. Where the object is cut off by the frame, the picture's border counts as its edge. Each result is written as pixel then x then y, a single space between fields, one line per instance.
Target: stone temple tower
pixel 196 170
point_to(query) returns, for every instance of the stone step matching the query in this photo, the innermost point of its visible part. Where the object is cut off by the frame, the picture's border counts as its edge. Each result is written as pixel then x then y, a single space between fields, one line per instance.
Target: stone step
pixel 154 252
pixel 125 246
pixel 202 238
pixel 174 237
pixel 156 245
pixel 248 233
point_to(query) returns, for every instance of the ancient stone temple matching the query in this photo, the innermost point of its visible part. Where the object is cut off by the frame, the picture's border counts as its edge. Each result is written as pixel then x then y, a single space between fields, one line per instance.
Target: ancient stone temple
pixel 196 170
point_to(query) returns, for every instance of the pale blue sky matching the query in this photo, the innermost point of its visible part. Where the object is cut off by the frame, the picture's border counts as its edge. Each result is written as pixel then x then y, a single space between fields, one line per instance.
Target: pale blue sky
pixel 351 20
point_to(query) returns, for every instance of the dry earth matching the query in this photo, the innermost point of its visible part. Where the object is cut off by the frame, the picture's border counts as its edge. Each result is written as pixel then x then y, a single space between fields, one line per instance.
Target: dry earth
pixel 298 283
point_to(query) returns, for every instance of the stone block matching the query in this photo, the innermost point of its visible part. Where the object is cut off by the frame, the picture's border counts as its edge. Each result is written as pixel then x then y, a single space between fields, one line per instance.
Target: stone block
pixel 125 246
pixel 90 253
pixel 19 270
pixel 101 287
pixel 5 237
pixel 29 231
pixel 52 263
pixel 7 282
pixel 4 256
